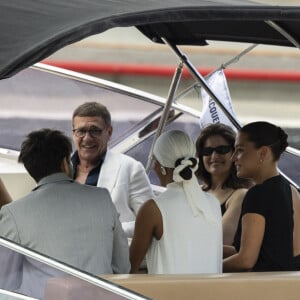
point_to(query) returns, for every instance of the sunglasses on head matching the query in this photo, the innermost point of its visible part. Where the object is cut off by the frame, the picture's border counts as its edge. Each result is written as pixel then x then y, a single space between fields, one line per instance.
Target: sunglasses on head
pixel 223 149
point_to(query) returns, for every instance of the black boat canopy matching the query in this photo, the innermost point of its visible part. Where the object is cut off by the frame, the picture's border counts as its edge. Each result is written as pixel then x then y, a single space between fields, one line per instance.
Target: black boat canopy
pixel 32 30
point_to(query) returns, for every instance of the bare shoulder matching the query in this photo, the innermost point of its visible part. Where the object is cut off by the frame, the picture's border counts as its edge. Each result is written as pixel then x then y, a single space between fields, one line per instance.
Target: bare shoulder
pixel 237 196
pixel 149 210
pixel 149 205
pixel 295 193
pixel 295 198
pixel 241 192
pixel 149 219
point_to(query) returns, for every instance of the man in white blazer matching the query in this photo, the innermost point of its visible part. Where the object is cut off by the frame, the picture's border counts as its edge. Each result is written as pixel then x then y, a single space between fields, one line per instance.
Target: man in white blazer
pixel 93 164
pixel 70 222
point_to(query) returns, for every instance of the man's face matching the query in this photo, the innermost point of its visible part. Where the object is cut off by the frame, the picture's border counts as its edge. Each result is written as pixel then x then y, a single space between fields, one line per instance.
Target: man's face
pixel 90 135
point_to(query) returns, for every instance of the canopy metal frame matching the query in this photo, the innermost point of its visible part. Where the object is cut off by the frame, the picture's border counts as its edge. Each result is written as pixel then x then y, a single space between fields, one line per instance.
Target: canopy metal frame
pixel 164 117
pixel 184 60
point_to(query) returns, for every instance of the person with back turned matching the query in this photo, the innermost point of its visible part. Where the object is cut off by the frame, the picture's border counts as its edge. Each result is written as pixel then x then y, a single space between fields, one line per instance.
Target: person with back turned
pixel 73 223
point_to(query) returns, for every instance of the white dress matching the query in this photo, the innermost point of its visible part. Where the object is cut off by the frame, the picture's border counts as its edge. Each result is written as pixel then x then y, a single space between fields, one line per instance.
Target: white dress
pixel 189 244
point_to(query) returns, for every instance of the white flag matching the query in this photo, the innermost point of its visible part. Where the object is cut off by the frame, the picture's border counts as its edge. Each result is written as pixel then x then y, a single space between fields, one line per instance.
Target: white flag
pixel 211 112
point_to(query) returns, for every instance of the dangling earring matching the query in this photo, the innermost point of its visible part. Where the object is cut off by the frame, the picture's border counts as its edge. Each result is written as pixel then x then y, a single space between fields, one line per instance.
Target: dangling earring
pixel 163 171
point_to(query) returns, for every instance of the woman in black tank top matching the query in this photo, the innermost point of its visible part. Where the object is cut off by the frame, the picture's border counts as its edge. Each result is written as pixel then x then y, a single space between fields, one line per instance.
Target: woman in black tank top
pixel 215 146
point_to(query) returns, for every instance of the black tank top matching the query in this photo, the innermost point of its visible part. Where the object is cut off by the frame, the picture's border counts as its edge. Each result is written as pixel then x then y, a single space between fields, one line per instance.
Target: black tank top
pixel 223 205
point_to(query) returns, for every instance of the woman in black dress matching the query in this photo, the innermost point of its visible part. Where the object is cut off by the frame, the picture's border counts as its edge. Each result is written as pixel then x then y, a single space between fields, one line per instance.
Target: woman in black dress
pixel 268 233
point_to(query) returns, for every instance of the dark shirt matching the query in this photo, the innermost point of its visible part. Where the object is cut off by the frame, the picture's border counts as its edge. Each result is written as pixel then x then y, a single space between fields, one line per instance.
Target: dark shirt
pixel 223 208
pixel 273 200
pixel 93 175
pixel 223 205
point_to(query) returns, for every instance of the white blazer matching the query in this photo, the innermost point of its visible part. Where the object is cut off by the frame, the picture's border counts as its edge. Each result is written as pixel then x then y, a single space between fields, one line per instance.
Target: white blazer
pixel 126 180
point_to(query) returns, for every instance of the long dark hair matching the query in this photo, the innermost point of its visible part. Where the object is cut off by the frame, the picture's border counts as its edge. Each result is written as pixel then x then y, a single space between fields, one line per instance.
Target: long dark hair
pixel 228 134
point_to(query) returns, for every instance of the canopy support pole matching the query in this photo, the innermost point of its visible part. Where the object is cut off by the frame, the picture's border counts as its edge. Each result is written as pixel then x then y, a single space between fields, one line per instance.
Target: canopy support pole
pixel 283 32
pixel 165 113
pixel 235 59
pixel 202 82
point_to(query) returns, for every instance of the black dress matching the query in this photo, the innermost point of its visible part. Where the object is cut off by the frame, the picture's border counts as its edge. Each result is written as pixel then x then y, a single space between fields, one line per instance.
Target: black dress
pixel 273 200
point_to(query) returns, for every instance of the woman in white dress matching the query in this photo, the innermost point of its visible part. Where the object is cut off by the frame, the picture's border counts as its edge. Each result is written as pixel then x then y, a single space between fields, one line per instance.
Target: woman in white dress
pixel 180 232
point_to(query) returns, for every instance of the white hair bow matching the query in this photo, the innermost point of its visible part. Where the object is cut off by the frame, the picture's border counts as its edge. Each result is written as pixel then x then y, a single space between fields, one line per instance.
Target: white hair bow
pixel 186 162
